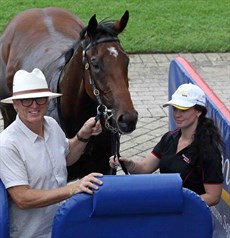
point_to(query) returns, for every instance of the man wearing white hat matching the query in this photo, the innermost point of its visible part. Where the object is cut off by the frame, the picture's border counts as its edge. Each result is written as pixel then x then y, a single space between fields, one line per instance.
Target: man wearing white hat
pixel 193 149
pixel 34 155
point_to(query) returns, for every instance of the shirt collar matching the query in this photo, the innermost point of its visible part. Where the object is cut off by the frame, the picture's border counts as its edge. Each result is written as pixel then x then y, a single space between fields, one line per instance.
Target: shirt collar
pixel 176 134
pixel 30 134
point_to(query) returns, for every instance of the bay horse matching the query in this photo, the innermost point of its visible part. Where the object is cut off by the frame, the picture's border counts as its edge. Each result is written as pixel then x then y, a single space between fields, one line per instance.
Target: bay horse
pixel 86 64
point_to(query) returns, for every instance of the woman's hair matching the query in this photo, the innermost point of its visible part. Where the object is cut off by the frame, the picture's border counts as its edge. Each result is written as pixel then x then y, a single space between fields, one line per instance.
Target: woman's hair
pixel 207 137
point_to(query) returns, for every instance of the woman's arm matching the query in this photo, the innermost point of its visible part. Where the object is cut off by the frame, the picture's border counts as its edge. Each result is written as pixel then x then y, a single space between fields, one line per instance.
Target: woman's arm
pixel 213 193
pixel 147 165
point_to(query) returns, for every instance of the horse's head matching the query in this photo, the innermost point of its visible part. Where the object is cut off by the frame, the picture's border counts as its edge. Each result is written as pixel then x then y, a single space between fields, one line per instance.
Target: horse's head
pixel 106 71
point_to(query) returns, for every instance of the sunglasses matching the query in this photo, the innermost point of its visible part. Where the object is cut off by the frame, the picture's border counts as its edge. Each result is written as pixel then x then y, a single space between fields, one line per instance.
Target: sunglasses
pixel 27 102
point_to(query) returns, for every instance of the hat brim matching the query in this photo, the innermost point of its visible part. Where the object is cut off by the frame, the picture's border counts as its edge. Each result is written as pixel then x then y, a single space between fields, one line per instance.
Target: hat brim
pixel 50 95
pixel 181 108
pixel 182 105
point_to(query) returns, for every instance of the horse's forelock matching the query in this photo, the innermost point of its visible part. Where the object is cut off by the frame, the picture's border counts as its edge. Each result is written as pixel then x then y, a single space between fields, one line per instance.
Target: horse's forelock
pixel 104 27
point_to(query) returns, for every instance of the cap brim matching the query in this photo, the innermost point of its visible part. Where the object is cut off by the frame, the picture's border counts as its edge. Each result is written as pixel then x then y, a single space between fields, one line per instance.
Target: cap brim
pixel 181 108
pixel 31 95
pixel 176 106
pixel 180 104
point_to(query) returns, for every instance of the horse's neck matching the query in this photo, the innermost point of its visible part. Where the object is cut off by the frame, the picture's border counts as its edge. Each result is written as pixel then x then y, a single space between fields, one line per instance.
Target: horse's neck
pixel 75 102
pixel 71 75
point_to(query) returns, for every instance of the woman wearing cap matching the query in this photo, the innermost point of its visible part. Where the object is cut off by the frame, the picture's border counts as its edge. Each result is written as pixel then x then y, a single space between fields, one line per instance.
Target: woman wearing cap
pixel 34 156
pixel 193 149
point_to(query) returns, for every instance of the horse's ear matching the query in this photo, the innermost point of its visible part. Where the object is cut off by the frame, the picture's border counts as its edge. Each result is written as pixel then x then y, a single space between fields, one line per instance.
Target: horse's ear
pixel 92 26
pixel 120 25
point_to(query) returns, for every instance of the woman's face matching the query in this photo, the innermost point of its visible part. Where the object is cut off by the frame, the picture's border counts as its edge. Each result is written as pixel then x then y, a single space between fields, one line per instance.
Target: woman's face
pixel 186 118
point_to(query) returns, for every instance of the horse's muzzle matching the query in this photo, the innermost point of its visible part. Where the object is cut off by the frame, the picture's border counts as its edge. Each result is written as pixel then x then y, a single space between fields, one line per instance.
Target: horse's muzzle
pixel 126 123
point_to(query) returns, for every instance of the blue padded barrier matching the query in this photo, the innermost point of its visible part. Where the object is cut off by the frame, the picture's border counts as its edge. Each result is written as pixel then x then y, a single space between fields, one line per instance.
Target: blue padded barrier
pixel 4 213
pixel 155 202
pixel 142 206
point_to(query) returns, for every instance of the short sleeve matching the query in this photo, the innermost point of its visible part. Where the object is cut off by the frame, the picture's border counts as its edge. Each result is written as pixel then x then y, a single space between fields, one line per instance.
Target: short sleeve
pixel 12 168
pixel 159 148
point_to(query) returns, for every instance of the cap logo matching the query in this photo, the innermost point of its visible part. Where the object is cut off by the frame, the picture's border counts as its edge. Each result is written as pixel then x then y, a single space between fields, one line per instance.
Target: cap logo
pixel 183 93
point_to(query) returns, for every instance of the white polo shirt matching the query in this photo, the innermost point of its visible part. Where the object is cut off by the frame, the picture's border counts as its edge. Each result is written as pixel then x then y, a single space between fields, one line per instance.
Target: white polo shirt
pixel 27 159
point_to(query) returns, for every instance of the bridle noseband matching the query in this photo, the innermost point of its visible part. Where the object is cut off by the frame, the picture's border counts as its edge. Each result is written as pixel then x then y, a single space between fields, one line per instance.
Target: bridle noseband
pixel 102 110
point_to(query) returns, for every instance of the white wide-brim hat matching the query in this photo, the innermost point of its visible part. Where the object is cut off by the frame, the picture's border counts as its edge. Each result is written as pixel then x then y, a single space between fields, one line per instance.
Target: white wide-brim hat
pixel 30 85
pixel 187 96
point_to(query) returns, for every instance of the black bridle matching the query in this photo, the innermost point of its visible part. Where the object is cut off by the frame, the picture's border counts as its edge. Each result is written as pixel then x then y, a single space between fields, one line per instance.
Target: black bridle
pixel 102 110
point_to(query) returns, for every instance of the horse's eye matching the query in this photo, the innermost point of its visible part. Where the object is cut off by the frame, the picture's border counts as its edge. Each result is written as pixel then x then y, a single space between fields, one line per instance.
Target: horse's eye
pixel 94 63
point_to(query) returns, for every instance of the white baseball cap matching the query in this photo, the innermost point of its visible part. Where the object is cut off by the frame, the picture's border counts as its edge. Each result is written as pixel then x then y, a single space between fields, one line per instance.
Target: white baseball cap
pixel 30 85
pixel 187 96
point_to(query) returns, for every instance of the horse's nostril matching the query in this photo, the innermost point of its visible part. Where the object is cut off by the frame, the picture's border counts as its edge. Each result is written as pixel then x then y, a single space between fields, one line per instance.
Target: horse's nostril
pixel 127 122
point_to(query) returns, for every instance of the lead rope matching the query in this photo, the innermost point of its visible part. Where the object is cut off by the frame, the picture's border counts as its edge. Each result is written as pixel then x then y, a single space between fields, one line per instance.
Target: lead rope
pixel 116 136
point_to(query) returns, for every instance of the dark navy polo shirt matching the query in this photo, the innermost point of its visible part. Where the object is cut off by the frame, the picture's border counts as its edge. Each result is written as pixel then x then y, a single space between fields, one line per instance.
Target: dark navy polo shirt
pixel 193 176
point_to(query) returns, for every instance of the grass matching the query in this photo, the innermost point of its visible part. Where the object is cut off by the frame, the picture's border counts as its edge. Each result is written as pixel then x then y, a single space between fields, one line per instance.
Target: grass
pixel 155 26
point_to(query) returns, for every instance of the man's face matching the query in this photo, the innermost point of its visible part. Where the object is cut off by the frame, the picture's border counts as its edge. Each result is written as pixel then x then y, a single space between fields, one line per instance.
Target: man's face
pixel 31 110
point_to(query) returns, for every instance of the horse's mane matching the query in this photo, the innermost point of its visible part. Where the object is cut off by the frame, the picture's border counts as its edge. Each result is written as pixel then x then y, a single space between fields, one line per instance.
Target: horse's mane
pixel 69 53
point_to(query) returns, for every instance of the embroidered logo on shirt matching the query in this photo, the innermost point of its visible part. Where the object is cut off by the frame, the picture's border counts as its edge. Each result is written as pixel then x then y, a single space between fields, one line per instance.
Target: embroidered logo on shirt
pixel 186 159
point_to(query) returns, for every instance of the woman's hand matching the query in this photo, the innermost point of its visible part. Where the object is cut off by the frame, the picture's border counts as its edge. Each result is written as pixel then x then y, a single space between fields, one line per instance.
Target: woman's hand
pixel 114 162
